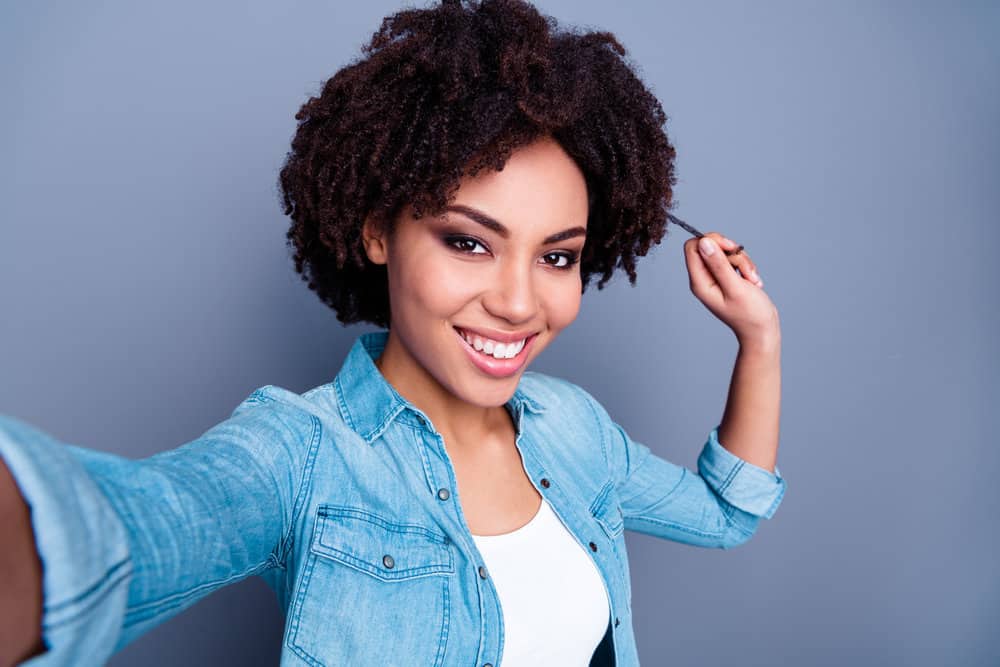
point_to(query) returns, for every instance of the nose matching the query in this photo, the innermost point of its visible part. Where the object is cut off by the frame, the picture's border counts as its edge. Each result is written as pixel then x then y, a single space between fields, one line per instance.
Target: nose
pixel 513 297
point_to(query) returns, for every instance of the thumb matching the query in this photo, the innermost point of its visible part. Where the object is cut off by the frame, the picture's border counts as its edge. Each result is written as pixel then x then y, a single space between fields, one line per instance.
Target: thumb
pixel 718 263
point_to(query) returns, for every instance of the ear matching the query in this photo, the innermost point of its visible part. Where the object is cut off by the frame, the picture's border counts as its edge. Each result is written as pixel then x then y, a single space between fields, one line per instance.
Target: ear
pixel 374 239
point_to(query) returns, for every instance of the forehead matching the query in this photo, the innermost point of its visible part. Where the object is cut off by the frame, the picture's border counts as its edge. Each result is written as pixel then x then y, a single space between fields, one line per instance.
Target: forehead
pixel 539 187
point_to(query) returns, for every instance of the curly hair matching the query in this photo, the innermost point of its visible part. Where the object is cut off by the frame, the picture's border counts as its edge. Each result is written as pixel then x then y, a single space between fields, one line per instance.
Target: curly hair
pixel 448 91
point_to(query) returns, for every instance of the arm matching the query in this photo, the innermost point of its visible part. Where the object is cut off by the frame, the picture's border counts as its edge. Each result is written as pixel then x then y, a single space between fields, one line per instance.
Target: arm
pixel 750 423
pixel 126 544
pixel 20 577
pixel 718 506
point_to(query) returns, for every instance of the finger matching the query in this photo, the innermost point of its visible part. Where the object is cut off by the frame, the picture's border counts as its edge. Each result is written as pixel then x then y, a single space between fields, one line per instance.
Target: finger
pixel 719 265
pixel 747 268
pixel 738 258
pixel 702 281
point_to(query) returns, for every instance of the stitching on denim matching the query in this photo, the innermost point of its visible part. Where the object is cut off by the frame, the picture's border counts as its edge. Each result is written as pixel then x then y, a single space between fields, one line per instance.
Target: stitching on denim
pixel 168 602
pixel 288 539
pixel 342 404
pixel 730 477
pixel 338 510
pixel 729 510
pixel 93 601
pixel 446 609
pixel 677 526
pixel 296 608
pixel 51 609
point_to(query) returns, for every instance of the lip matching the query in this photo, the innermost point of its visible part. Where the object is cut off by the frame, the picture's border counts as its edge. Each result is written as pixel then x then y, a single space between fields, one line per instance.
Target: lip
pixel 498 336
pixel 492 366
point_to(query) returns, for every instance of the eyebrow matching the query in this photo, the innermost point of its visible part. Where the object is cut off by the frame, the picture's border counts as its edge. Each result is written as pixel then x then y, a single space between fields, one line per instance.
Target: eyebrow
pixel 491 223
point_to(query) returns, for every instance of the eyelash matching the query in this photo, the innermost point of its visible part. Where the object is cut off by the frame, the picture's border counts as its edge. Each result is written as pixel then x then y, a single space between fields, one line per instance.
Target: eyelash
pixel 451 241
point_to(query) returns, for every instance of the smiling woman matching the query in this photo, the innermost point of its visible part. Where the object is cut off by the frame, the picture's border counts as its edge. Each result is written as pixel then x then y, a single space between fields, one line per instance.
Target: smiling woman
pixel 435 503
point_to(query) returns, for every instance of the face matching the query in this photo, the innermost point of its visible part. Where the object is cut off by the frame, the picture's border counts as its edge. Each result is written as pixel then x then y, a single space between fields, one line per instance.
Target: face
pixel 499 266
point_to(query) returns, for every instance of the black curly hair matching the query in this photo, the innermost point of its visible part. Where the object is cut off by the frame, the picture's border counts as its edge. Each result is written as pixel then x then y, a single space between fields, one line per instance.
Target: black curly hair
pixel 445 92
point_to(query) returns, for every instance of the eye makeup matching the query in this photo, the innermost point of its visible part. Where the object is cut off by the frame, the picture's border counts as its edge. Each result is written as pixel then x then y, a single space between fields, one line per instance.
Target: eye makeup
pixel 453 239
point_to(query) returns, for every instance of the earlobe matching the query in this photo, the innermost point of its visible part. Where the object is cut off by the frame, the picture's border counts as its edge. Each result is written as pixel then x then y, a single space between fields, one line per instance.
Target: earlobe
pixel 374 241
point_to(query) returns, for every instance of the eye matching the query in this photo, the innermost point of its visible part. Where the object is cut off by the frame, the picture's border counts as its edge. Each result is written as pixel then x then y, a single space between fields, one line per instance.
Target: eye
pixel 465 244
pixel 567 259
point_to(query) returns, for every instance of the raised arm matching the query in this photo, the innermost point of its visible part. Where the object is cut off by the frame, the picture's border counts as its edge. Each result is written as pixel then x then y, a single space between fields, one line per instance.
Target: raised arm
pixel 719 505
pixel 126 544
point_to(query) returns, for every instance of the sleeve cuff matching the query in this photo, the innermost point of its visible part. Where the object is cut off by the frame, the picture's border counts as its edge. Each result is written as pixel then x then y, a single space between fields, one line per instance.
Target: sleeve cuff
pixel 81 542
pixel 740 483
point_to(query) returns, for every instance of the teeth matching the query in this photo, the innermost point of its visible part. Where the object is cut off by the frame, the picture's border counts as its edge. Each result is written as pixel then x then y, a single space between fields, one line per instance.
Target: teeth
pixel 493 348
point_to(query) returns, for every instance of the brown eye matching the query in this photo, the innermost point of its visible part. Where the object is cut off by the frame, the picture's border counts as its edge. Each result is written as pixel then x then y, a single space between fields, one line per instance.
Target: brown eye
pixel 567 260
pixel 464 244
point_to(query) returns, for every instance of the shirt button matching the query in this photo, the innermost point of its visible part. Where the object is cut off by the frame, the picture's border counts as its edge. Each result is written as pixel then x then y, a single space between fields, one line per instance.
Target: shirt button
pixel 488 664
pixel 388 561
pixel 482 571
pixel 593 547
pixel 545 482
pixel 443 494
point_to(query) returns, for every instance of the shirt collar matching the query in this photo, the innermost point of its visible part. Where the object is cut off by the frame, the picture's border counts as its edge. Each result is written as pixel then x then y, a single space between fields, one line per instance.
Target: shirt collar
pixel 368 403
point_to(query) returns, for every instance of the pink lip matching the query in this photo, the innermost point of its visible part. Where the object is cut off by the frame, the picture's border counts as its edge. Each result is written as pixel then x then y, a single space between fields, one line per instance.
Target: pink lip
pixel 497 367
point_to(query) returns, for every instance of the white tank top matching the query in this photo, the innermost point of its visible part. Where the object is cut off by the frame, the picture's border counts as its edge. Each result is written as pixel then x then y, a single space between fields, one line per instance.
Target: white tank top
pixel 555 606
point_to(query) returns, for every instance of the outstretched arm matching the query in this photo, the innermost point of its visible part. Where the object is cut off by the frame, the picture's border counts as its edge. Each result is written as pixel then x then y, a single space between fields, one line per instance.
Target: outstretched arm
pixel 125 544
pixel 20 577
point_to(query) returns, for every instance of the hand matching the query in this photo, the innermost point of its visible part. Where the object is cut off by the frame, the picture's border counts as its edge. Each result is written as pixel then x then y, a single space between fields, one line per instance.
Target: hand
pixel 738 299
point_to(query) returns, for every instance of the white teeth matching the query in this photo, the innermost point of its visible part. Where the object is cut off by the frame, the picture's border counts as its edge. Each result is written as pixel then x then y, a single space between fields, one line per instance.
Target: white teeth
pixel 493 348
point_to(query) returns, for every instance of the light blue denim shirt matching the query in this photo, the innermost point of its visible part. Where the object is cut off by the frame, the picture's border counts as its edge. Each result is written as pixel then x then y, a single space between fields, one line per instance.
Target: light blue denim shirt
pixel 344 500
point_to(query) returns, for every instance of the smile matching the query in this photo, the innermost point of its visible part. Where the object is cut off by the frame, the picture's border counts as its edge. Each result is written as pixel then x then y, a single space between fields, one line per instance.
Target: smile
pixel 493 357
pixel 491 347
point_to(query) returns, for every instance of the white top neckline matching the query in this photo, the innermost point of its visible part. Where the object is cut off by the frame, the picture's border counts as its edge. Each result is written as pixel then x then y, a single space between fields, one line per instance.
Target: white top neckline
pixel 517 531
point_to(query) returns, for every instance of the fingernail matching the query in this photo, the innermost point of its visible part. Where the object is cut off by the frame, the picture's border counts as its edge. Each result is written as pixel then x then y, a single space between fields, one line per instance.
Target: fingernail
pixel 753 274
pixel 706 245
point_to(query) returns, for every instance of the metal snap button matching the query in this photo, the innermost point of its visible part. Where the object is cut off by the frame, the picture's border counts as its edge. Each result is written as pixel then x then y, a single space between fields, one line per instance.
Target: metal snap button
pixel 545 482
pixel 482 571
pixel 388 561
pixel 593 547
pixel 443 494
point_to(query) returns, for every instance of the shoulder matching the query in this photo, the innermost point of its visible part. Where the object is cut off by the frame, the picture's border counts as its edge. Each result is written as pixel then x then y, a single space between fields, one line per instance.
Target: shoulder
pixel 308 415
pixel 562 397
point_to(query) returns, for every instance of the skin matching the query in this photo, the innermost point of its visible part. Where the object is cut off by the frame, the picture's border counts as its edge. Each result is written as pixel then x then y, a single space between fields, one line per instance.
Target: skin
pixel 20 577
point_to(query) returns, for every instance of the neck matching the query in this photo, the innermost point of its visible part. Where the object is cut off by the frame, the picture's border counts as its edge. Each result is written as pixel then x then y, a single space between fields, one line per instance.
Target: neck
pixel 457 420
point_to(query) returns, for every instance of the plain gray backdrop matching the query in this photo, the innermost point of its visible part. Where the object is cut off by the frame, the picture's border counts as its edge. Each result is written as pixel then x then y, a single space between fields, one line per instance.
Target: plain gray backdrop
pixel 853 148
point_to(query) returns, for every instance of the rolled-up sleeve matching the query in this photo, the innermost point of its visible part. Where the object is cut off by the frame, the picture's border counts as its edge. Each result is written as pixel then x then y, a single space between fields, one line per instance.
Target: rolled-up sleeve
pixel 126 544
pixel 720 505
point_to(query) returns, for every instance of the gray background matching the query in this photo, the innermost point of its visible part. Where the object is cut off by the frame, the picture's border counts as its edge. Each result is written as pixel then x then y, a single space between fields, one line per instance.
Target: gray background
pixel 853 148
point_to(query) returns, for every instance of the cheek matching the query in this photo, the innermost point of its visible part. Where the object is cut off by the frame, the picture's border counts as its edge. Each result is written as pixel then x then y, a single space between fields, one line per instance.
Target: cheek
pixel 562 303
pixel 426 283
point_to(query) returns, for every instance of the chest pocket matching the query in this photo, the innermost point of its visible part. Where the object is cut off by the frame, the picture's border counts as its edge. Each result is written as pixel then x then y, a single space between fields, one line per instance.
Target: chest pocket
pixel 607 511
pixel 372 591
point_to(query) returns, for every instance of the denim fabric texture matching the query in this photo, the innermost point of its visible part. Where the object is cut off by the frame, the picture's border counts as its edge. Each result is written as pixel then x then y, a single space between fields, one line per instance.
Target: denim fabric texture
pixel 344 500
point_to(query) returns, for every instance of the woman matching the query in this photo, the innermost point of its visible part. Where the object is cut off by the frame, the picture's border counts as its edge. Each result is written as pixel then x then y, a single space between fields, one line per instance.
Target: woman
pixel 436 503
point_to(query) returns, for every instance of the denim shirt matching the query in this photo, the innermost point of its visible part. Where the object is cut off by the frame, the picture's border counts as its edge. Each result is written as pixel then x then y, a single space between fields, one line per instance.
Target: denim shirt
pixel 344 500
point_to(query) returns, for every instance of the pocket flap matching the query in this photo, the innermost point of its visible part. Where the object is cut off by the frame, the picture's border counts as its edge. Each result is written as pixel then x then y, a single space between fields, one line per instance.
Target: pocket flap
pixel 384 549
pixel 608 512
